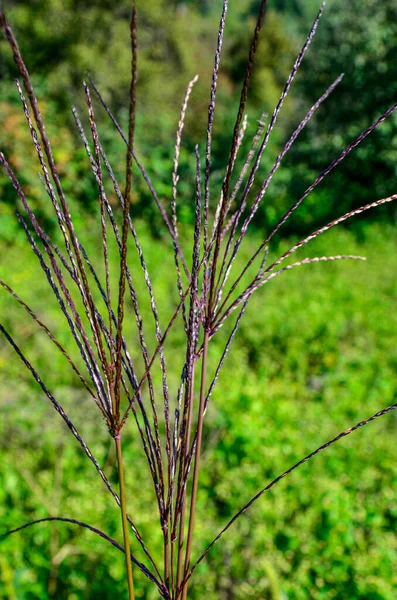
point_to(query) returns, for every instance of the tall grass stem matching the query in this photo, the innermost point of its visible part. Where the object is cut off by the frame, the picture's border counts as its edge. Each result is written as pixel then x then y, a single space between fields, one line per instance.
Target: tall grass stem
pixel 123 509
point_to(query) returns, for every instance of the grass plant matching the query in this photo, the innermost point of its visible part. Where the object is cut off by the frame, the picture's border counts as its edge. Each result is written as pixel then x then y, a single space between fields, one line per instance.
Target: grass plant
pixel 132 392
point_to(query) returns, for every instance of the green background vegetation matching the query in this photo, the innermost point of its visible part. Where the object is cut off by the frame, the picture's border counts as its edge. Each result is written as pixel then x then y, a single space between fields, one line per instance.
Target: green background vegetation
pixel 317 349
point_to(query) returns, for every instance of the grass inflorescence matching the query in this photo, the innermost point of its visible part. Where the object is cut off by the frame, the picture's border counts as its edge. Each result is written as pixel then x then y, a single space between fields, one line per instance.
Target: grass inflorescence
pixel 126 391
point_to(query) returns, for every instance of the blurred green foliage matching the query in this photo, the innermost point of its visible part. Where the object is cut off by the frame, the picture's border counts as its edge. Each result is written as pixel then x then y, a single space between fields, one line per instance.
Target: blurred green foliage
pixel 316 351
pixel 176 41
pixel 357 39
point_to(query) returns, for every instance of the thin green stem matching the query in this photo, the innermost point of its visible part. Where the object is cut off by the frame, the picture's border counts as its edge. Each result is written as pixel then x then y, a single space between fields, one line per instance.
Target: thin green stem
pixel 173 582
pixel 196 459
pixel 166 559
pixel 180 574
pixel 124 521
pixel 179 569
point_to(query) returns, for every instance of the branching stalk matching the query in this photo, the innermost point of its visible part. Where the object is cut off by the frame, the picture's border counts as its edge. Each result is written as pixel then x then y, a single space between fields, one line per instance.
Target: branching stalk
pixel 180 570
pixel 197 459
pixel 123 510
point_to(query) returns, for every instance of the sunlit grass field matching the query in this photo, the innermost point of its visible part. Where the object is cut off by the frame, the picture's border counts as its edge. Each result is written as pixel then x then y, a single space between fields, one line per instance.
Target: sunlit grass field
pixel 316 353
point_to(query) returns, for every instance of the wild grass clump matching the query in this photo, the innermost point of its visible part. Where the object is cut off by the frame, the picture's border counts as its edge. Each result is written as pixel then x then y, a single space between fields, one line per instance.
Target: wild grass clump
pixel 132 392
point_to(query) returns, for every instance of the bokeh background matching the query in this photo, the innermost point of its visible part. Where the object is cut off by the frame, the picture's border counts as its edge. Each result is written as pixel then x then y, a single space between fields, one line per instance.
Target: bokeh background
pixel 316 352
